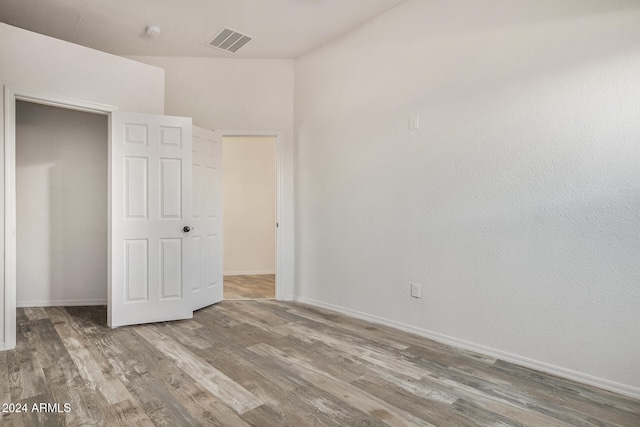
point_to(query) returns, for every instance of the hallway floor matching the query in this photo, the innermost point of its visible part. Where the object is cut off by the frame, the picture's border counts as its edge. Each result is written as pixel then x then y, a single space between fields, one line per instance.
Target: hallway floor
pixel 250 287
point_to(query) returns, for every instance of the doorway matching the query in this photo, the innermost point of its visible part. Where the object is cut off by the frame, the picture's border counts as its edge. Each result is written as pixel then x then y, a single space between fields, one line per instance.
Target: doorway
pixel 170 131
pixel 61 206
pixel 250 216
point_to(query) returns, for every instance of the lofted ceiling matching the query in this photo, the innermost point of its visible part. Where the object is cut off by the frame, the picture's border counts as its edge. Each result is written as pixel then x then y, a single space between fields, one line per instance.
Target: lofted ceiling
pixel 279 28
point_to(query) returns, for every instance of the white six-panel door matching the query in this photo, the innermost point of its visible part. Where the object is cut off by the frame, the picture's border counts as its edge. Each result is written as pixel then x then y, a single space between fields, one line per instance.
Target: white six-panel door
pixel 206 236
pixel 150 187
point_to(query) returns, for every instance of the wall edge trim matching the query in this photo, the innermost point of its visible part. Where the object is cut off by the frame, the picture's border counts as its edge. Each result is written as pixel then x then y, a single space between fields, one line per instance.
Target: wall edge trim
pixel 248 273
pixel 61 303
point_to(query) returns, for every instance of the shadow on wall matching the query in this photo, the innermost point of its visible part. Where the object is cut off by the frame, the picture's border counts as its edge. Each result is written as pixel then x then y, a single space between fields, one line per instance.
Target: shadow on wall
pixel 61 170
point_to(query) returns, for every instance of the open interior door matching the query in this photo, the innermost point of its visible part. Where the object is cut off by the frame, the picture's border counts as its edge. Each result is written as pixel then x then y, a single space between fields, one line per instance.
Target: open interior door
pixel 206 237
pixel 150 210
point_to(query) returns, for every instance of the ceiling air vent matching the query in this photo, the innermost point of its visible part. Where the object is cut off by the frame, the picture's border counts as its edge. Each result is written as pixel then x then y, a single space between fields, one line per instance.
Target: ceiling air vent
pixel 229 40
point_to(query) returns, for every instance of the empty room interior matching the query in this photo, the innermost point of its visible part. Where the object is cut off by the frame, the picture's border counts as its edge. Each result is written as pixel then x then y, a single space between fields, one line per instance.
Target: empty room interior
pixel 320 213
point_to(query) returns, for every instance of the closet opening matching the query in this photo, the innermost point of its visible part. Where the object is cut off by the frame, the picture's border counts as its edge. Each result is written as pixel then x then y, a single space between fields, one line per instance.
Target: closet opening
pixel 61 173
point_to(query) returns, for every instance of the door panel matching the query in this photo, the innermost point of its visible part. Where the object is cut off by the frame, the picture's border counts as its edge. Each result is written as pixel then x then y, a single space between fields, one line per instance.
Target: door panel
pixel 171 264
pixel 171 188
pixel 207 280
pixel 211 198
pixel 136 268
pixel 136 187
pixel 150 204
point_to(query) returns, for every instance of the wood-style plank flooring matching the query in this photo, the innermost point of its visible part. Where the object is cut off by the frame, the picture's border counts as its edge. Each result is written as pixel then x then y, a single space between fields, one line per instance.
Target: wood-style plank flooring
pixel 249 286
pixel 267 363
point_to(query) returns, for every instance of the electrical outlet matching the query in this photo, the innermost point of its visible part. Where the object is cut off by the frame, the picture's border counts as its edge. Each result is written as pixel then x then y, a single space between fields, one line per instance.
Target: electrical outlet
pixel 416 290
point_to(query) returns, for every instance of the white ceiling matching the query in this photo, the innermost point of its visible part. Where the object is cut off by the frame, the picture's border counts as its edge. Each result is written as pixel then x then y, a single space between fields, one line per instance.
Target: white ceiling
pixel 280 28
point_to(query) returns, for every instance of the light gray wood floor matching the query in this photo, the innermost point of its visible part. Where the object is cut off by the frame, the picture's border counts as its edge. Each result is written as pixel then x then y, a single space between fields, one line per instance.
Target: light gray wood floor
pixel 250 286
pixel 267 363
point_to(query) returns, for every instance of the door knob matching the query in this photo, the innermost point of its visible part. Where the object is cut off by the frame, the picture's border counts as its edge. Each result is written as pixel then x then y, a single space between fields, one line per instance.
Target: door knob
pixel 186 229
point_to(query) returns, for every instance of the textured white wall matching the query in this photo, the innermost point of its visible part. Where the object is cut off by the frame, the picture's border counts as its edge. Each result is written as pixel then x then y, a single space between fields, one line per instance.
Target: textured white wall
pixel 249 165
pixel 39 63
pixel 229 94
pixel 515 204
pixel 61 188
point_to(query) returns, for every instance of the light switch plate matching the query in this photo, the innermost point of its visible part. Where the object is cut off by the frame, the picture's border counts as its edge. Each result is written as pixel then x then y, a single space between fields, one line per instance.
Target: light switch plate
pixel 414 122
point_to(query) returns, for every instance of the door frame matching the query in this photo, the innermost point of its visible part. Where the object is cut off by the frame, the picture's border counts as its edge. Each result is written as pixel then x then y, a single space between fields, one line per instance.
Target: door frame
pixel 284 203
pixel 11 95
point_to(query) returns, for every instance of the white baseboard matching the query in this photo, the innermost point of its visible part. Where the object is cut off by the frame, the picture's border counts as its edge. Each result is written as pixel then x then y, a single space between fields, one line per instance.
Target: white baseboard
pixel 60 303
pixel 248 273
pixel 624 389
